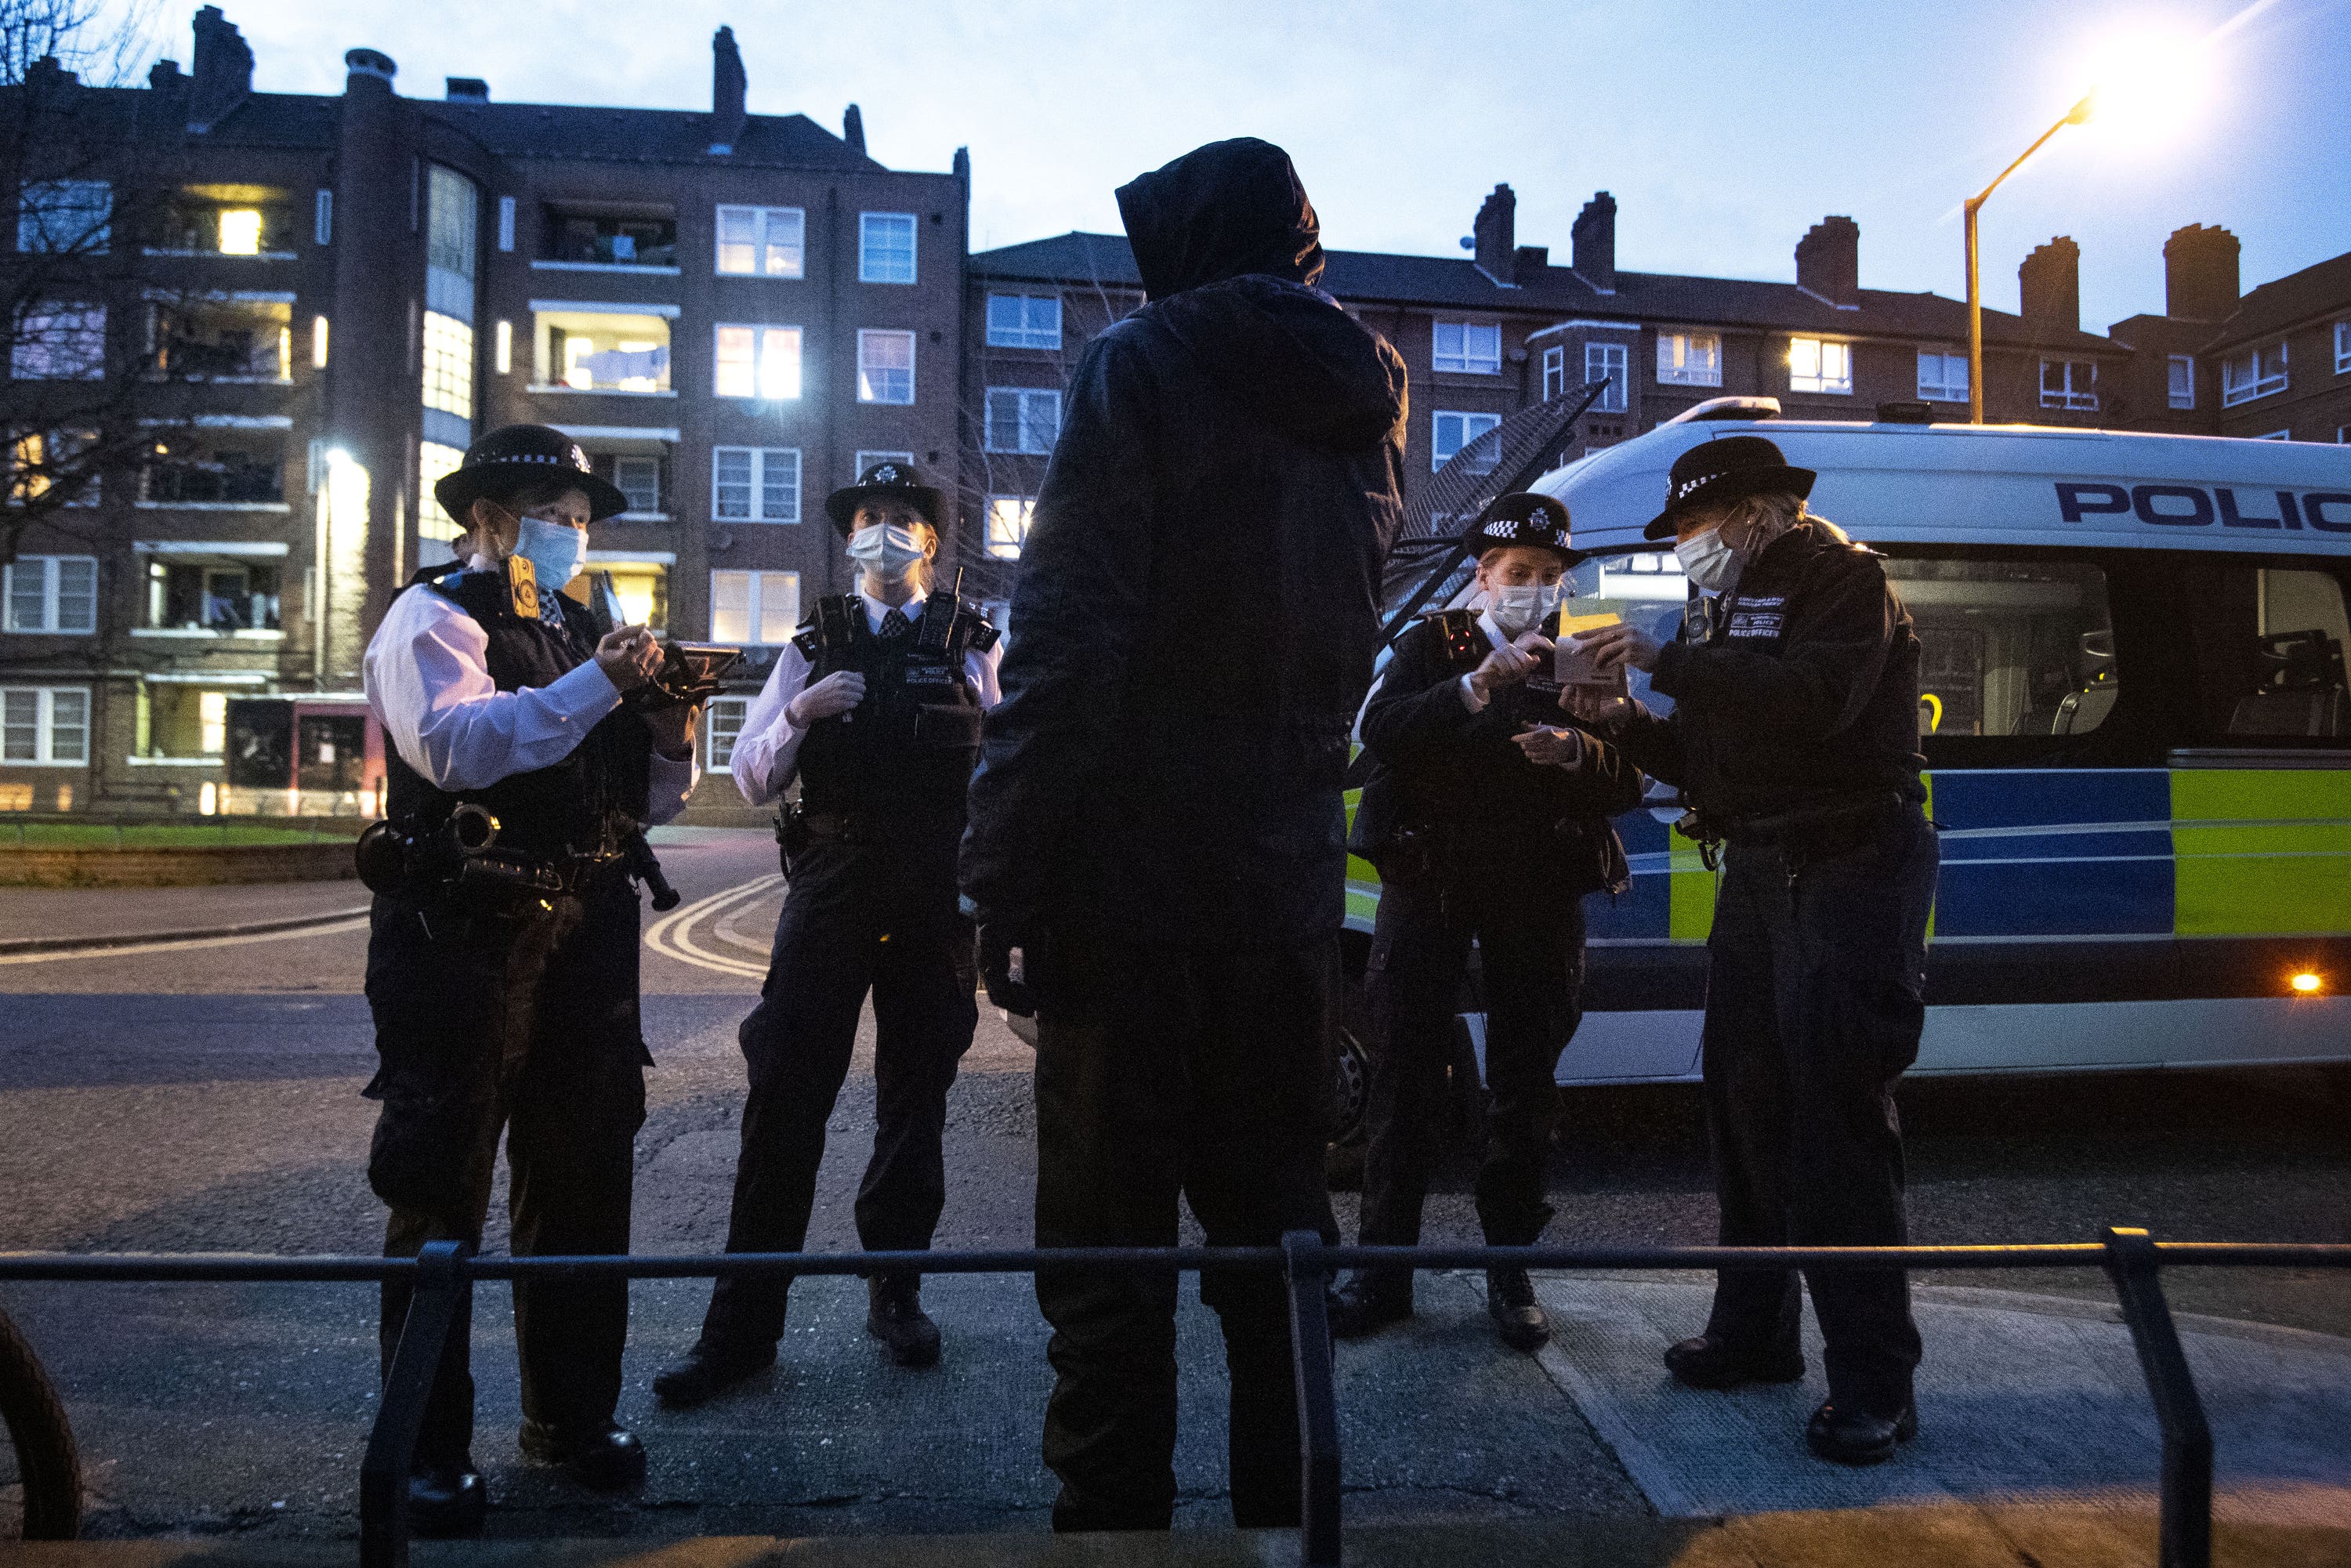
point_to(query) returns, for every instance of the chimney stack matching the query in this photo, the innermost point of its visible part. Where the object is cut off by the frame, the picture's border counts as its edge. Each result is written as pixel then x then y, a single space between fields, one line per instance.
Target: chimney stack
pixel 1594 241
pixel 469 90
pixel 223 73
pixel 2051 283
pixel 1494 236
pixel 2199 273
pixel 726 84
pixel 853 128
pixel 1828 261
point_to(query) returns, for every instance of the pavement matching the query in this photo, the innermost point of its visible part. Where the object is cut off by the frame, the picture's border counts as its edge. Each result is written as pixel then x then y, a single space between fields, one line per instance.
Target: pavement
pixel 202 1096
pixel 34 918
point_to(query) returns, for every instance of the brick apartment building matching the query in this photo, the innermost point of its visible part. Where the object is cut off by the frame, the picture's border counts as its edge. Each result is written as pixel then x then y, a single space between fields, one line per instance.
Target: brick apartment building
pixel 730 312
pixel 1490 333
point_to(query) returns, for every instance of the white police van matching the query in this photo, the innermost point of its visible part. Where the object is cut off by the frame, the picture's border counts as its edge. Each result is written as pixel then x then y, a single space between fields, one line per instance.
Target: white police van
pixel 2135 719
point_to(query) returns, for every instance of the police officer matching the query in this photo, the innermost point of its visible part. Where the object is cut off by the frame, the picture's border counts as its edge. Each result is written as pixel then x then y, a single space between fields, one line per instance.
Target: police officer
pixel 502 957
pixel 875 706
pixel 1487 820
pixel 1794 738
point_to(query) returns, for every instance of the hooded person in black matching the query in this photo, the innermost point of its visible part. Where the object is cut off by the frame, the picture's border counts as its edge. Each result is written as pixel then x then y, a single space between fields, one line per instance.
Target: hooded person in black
pixel 1155 822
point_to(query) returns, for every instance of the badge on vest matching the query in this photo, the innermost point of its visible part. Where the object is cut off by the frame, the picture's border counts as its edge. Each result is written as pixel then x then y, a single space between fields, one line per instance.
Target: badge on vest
pixel 522 587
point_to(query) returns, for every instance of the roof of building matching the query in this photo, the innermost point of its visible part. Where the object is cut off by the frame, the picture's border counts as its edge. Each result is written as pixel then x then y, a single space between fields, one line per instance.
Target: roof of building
pixel 2317 290
pixel 1644 296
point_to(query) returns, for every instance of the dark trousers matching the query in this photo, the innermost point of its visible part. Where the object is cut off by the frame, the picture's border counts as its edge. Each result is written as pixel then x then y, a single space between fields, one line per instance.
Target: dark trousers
pixel 876 917
pixel 531 1028
pixel 1165 1070
pixel 1814 1003
pixel 1530 954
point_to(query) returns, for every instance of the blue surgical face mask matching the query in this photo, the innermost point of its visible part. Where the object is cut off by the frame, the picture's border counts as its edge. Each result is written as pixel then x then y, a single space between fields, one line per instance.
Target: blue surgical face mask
pixel 555 551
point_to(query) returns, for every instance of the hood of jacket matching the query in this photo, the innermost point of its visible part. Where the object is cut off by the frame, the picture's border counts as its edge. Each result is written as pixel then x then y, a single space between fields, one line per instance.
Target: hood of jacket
pixel 1218 212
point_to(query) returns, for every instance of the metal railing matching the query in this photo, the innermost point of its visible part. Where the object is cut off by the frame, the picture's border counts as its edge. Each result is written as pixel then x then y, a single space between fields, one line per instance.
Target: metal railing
pixel 441 1279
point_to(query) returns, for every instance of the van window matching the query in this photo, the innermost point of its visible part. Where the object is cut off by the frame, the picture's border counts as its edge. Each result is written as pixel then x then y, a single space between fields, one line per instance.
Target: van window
pixel 2268 653
pixel 2010 647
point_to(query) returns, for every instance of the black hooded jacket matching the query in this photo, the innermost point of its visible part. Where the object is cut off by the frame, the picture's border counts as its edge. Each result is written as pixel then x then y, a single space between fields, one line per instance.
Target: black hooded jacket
pixel 1198 602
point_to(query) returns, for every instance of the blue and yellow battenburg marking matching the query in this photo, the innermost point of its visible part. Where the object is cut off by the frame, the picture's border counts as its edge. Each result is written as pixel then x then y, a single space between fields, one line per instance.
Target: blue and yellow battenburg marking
pixel 2056 854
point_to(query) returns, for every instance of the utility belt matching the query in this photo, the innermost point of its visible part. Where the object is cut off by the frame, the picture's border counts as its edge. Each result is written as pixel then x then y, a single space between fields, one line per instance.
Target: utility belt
pixel 1427 850
pixel 799 830
pixel 463 861
pixel 1819 831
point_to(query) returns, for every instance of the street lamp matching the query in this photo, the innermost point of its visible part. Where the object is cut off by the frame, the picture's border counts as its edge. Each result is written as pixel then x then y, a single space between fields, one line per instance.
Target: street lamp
pixel 2079 114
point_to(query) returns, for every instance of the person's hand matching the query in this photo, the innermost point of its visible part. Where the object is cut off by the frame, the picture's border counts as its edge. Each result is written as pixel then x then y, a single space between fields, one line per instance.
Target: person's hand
pixel 673 729
pixel 1003 968
pixel 1588 706
pixel 1620 647
pixel 628 655
pixel 1546 745
pixel 836 694
pixel 1509 664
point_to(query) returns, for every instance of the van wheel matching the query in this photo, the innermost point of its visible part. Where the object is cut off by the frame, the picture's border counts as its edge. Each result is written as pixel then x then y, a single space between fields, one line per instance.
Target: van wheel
pixel 1351 1090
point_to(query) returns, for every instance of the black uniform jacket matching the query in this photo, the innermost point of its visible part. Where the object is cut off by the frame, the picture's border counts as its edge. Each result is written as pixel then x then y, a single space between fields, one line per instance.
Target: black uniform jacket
pixel 1198 602
pixel 1455 777
pixel 1803 692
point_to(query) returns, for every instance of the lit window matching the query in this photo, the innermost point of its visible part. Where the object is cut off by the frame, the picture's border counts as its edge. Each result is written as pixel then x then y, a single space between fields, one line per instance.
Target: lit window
pixel 449 365
pixel 2180 379
pixel 639 481
pixel 433 461
pixel 885 367
pixel 1554 373
pixel 1020 419
pixel 885 247
pixel 2069 384
pixel 641 587
pixel 1008 517
pixel 755 608
pixel 59 343
pixel 1689 358
pixel 1608 362
pixel 762 241
pixel 722 722
pixel 1024 321
pixel 64 215
pixel 53 593
pixel 1818 366
pixel 504 339
pixel 1942 378
pixel 1450 431
pixel 211 723
pixel 755 484
pixel 40 460
pixel 318 342
pixel 1468 347
pixel 2256 372
pixel 240 231
pixel 759 361
pixel 44 725
pixel 603 351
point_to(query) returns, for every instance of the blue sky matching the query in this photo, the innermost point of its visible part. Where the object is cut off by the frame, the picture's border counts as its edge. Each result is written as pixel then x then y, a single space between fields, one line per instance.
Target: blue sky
pixel 1723 130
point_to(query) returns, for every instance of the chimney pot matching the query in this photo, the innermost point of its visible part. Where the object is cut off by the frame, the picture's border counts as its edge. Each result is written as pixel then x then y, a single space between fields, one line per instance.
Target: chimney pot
pixel 2050 283
pixel 372 65
pixel 726 90
pixel 2199 273
pixel 1594 243
pixel 1494 236
pixel 1828 260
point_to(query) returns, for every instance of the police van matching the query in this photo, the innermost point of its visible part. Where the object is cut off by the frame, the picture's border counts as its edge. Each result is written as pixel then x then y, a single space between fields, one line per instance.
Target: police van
pixel 2136 725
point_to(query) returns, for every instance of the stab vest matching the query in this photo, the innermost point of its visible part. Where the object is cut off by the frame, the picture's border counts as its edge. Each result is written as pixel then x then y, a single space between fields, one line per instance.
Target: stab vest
pixel 906 752
pixel 583 805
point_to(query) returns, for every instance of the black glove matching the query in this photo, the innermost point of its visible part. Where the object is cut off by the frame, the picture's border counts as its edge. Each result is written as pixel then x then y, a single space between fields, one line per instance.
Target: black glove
pixel 1003 969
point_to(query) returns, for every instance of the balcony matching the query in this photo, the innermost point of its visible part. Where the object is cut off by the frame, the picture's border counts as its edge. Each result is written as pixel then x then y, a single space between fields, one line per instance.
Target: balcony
pixel 222 337
pixel 626 238
pixel 212 468
pixel 211 591
pixel 595 348
pixel 254 220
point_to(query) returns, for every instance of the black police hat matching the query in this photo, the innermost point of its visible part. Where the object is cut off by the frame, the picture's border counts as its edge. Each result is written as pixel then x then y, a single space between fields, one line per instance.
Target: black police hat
pixel 889 477
pixel 516 455
pixel 1725 469
pixel 1520 518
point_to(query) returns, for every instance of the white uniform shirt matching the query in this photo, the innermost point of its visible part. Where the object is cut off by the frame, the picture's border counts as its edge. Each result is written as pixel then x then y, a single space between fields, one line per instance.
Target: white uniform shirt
pixel 428 682
pixel 769 742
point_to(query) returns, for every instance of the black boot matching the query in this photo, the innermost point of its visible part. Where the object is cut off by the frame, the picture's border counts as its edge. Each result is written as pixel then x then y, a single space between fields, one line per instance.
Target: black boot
pixel 446 1501
pixel 1370 1300
pixel 707 1371
pixel 600 1456
pixel 894 1315
pixel 1707 1362
pixel 1851 1435
pixel 1518 1317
